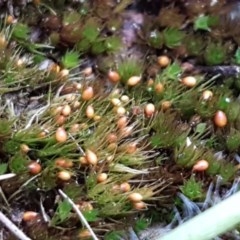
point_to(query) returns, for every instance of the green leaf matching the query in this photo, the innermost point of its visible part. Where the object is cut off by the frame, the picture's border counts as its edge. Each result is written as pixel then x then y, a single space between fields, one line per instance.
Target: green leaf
pixel 62 213
pixel 192 189
pixel 201 23
pixel 91 216
pixel 98 47
pixel 172 71
pixel 71 18
pixel 141 224
pixel 64 209
pixel 18 163
pixel 215 53
pixel 201 127
pixel 83 45
pixel 155 39
pixel 3 168
pixel 173 37
pixel 70 60
pixel 91 30
pixel 114 235
pixel 237 56
pixel 113 43
pixel 20 31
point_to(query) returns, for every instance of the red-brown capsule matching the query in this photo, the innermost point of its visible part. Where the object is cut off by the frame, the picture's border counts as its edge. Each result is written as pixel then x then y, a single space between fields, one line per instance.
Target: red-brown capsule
pixel 125 187
pixel 60 120
pixel 29 216
pixel 87 94
pixel 159 88
pixel 220 119
pixel 200 166
pixel 122 122
pixel 139 205
pixel 34 168
pixel 64 162
pixel 112 138
pixel 113 76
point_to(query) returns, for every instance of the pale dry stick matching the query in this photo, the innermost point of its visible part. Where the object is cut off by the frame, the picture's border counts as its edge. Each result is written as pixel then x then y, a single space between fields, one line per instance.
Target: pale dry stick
pixel 2 195
pixel 78 146
pixel 12 227
pixel 22 186
pixel 84 221
pixel 36 115
pixel 207 225
pixel 7 176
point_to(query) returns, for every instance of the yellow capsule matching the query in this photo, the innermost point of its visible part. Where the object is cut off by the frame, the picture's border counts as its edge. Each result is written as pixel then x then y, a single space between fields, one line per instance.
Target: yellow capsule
pixel 3 42
pixel 120 111
pixel 166 105
pixel 124 98
pixel 66 110
pixel 189 81
pixel 115 102
pixel 87 71
pixel 24 148
pixel 135 197
pixel 91 157
pixel 149 110
pixel 64 175
pixel 64 73
pixel 207 95
pixel 10 19
pixel 83 161
pixel 163 61
pixel 102 177
pixel 61 135
pixel 134 80
pixel 84 234
pixel 90 112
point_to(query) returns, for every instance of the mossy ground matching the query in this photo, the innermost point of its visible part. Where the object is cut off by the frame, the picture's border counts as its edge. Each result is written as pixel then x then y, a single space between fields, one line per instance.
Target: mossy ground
pixel 67 124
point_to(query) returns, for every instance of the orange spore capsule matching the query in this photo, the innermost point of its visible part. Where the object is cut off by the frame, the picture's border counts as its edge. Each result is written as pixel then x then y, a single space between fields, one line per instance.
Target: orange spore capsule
pixel 200 166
